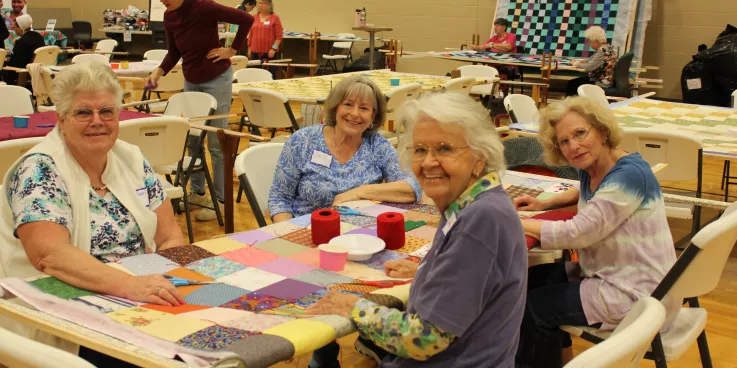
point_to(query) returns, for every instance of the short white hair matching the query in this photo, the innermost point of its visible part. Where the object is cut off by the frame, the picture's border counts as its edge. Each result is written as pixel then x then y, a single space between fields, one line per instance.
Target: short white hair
pixel 454 109
pixel 595 33
pixel 92 77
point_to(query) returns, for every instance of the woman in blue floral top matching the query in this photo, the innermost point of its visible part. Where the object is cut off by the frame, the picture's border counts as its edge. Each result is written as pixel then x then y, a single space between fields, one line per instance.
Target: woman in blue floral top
pixel 81 198
pixel 344 160
pixel 600 66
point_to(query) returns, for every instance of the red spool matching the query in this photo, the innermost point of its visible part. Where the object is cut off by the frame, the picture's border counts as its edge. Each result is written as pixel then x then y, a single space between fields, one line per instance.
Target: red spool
pixel 325 225
pixel 390 228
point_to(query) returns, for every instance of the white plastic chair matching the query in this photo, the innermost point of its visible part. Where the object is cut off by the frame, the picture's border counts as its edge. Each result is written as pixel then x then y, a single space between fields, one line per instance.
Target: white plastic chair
pixel 86 58
pixel 15 100
pixel 521 108
pixel 156 55
pixel 734 98
pixel 252 75
pixel 46 55
pixel 161 140
pixel 459 85
pixel 398 96
pixel 238 62
pixel 593 92
pixel 3 55
pixel 12 150
pixel 107 46
pixel 170 83
pixel 629 342
pixel 255 169
pixel 268 109
pixel 481 71
pixel 696 272
pixel 19 351
pixel 41 81
pixel 340 50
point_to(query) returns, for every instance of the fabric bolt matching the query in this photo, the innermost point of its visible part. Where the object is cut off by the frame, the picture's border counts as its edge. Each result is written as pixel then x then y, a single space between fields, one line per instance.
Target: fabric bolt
pixel 412 244
pixel 515 191
pixel 378 209
pixel 282 228
pixel 281 247
pixel 148 264
pixel 214 337
pixel 251 279
pixel 165 326
pixel 254 302
pixel 188 274
pixel 252 237
pixel 306 335
pixel 361 221
pixel 322 278
pixel 216 267
pixel 250 256
pixel 60 288
pixel 424 232
pixel 214 294
pixel 303 237
pixel 106 303
pixel 220 245
pixel 377 260
pixel 404 206
pixel 255 322
pixel 310 257
pixel 219 315
pixel 184 308
pixel 289 289
pixel 411 225
pixel 311 299
pixel 285 267
pixel 262 351
pixel 429 218
pixel 185 254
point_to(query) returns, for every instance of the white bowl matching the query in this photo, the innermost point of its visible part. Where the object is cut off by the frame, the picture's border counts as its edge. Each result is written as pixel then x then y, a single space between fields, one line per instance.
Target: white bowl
pixel 360 246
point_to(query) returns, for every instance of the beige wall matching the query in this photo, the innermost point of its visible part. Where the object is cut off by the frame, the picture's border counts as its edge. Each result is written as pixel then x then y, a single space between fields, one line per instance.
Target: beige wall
pixel 672 37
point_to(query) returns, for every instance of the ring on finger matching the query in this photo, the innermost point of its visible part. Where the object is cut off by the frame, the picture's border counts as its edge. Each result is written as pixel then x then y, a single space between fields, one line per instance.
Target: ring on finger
pixel 158 290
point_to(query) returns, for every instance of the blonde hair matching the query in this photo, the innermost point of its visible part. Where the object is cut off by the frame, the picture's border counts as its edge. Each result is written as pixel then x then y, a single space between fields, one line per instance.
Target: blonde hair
pixel 271 5
pixel 363 89
pixel 601 118
pixel 595 33
pixel 454 109
pixel 92 77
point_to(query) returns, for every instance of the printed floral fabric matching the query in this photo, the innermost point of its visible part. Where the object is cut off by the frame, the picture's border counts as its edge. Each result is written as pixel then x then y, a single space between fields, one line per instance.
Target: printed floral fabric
pixel 215 337
pixel 254 302
pixel 37 193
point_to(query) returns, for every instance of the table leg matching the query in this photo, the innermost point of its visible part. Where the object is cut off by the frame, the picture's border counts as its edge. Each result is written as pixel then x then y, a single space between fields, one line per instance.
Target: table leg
pixel 227 146
pixel 371 50
pixel 536 95
pixel 22 79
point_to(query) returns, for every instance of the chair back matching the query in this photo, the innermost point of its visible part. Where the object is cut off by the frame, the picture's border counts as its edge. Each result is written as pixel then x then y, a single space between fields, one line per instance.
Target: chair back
pixel 594 92
pixel 252 75
pixel 238 62
pixel 681 152
pixel 628 344
pixel 107 45
pixel 41 81
pixel 267 109
pixel 398 96
pixel 3 55
pixel 46 55
pixel 156 55
pixel 255 168
pixel 86 58
pixel 15 100
pixel 734 98
pixel 479 71
pixel 622 75
pixel 12 150
pixel 19 351
pixel 526 154
pixel 460 85
pixel 191 104
pixel 160 138
pixel 172 81
pixel 521 108
pixel 82 30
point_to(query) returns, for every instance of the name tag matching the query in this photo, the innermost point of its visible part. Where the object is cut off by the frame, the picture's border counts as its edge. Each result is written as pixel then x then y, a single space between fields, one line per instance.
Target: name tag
pixel 267 23
pixel 321 158
pixel 142 195
pixel 449 224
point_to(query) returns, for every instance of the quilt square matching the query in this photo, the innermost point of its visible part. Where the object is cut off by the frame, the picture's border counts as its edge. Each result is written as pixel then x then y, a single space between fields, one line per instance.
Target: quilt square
pixel 254 302
pixel 427 208
pixel 215 337
pixel 360 221
pixel 303 220
pixel 281 229
pixel 412 244
pixel 289 289
pixel 188 274
pixel 311 299
pixel 281 247
pixel 322 278
pixel 214 294
pixel 404 206
pixel 220 245
pixel 184 308
pixel 250 256
pixel 59 288
pixel 515 191
pixel 148 264
pixel 355 289
pixel 216 267
pixel 256 322
pixel 310 257
pixel 106 303
pixel 419 216
pixel 410 225
pixel 378 209
pixel 185 254
pixel 425 232
pixel 377 260
pixel 285 267
pixel 357 270
pixel 218 315
pixel 302 237
pixel 165 326
pixel 251 279
pixel 363 230
pixel 251 237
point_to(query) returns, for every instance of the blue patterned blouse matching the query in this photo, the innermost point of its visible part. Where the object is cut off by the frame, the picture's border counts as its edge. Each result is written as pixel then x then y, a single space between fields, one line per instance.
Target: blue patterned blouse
pixel 302 186
pixel 37 193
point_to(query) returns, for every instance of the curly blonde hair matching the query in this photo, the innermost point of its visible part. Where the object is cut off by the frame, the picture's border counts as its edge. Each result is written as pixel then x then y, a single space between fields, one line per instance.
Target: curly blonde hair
pixel 601 118
pixel 595 33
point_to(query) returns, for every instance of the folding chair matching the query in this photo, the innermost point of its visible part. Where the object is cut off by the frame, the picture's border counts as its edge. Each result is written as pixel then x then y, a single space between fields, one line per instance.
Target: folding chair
pixel 255 169
pixel 15 100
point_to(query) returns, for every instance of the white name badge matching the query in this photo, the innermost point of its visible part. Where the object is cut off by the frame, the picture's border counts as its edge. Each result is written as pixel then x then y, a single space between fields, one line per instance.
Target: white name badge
pixel 449 224
pixel 321 158
pixel 142 194
pixel 267 23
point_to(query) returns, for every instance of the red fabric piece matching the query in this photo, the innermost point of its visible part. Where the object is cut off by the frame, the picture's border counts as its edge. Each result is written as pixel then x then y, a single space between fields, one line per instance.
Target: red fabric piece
pixel 8 132
pixel 555 215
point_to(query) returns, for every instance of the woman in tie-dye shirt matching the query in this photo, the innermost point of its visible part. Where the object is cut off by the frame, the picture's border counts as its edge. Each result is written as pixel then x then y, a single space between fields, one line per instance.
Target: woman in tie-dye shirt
pixel 621 232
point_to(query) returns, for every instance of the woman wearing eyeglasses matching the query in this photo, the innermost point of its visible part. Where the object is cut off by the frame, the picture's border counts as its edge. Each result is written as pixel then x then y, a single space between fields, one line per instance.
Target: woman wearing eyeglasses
pixel 621 233
pixel 463 308
pixel 81 198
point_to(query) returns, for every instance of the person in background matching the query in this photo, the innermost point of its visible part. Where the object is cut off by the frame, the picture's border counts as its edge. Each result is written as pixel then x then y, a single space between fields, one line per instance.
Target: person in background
pixel 18 6
pixel 502 41
pixel 192 34
pixel 600 66
pixel 266 35
pixel 247 5
pixel 24 47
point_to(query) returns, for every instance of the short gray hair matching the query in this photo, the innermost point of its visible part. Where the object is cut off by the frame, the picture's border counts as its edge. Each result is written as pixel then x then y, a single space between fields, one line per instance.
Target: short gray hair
pixel 595 33
pixel 459 110
pixel 362 88
pixel 92 77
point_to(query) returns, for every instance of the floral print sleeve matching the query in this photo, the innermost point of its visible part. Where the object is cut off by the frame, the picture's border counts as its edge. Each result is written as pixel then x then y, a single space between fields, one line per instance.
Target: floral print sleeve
pixel 37 193
pixel 156 195
pixel 400 333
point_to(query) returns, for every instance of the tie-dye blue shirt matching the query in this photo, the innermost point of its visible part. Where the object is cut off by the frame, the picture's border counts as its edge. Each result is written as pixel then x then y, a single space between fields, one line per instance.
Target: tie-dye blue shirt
pixel 624 242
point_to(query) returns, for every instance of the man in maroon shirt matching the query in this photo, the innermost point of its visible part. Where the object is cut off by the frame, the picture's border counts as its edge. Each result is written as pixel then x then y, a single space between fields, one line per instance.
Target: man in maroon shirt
pixel 192 34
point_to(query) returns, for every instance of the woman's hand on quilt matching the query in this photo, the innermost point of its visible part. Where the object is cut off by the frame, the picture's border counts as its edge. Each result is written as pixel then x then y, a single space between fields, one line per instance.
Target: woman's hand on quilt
pixel 401 269
pixel 334 302
pixel 527 203
pixel 154 289
pixel 347 196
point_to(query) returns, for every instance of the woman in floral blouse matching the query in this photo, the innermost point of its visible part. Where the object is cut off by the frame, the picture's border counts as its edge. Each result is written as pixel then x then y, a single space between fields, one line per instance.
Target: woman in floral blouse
pixel 600 66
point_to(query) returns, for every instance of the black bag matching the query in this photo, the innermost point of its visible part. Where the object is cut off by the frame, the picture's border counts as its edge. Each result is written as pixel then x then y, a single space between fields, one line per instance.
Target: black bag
pixel 712 75
pixel 362 63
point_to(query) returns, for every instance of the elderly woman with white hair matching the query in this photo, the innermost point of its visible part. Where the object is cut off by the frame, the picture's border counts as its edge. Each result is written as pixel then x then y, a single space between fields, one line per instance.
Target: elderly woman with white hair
pixel 600 66
pixel 81 198
pixel 621 233
pixel 463 308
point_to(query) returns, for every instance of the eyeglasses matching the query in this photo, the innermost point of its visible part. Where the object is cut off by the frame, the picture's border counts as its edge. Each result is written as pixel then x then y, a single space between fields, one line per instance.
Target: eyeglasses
pixel 85 114
pixel 578 136
pixel 440 151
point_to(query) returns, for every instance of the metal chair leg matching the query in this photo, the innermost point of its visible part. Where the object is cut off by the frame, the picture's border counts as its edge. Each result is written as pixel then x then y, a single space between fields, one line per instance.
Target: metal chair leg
pixel 188 218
